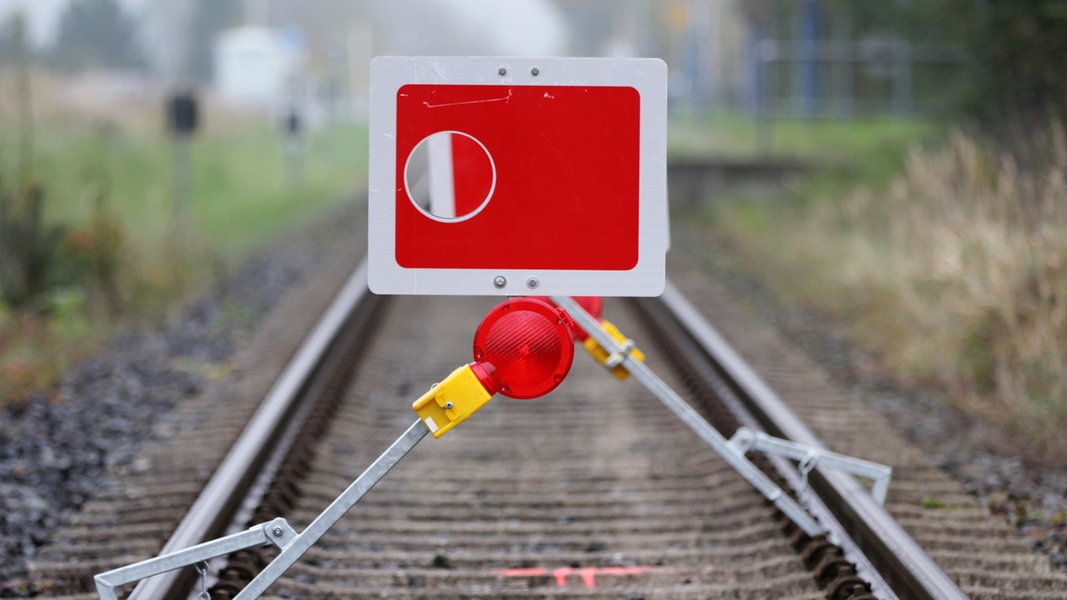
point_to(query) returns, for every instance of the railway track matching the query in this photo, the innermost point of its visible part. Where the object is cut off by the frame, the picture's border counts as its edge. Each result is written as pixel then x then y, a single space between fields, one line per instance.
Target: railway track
pixel 593 491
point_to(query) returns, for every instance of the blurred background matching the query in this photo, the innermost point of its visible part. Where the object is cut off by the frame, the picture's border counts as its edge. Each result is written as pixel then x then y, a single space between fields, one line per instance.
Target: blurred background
pixel 913 159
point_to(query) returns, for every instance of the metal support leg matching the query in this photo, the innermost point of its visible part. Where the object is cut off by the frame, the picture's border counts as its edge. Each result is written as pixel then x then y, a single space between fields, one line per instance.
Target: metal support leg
pixel 745 439
pixel 333 513
pixel 690 417
pixel 277 532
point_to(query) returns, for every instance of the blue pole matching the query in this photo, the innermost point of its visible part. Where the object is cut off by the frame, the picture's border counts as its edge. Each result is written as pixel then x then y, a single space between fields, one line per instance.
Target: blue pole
pixel 810 37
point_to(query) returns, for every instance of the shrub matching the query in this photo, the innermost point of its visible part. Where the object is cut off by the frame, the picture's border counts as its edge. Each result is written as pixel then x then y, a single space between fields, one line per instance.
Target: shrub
pixel 28 246
pixel 967 257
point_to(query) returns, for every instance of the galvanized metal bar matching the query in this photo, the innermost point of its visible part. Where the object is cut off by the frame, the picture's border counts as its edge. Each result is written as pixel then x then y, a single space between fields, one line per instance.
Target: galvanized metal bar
pixel 209 513
pixel 276 532
pixel 745 439
pixel 337 509
pixel 691 418
pixel 677 334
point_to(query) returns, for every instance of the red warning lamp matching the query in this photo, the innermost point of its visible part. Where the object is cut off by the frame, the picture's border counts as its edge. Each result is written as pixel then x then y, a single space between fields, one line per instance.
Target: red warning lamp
pixel 526 345
pixel 522 349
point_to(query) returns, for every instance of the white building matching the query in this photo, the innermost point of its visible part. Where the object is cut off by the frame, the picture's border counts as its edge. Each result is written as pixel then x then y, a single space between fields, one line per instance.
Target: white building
pixel 254 65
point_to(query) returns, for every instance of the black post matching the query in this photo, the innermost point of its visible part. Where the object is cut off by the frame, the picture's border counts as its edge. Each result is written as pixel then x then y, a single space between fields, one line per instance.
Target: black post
pixel 182 121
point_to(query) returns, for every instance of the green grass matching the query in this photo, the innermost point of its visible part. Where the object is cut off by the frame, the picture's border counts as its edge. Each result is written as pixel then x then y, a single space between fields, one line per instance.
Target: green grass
pixel 772 226
pixel 242 191
pixel 239 192
pixel 825 141
pixel 101 178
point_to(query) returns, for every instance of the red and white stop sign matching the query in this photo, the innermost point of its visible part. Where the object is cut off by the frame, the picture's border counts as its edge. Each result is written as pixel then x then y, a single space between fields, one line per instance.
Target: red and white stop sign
pixel 518 176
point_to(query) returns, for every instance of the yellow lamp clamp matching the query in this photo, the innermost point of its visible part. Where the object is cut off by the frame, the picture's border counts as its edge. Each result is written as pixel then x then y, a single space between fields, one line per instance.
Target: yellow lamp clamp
pixel 613 360
pixel 451 401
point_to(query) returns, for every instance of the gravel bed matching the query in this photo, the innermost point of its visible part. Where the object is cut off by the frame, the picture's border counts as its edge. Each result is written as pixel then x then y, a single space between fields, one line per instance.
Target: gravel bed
pixel 56 446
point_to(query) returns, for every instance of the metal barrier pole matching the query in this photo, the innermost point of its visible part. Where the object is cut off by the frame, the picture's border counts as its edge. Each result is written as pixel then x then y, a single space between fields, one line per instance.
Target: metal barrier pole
pixel 278 532
pixel 691 417
pixel 333 513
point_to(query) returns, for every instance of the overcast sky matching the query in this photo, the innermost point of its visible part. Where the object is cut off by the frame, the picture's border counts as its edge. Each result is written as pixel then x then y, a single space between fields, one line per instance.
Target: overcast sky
pixel 526 27
pixel 531 27
pixel 43 15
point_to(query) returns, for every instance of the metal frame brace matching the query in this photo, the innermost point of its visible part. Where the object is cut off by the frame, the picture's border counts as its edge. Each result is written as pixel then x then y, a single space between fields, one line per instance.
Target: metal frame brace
pixel 611 345
pixel 277 532
pixel 809 457
pixel 451 401
pixel 621 349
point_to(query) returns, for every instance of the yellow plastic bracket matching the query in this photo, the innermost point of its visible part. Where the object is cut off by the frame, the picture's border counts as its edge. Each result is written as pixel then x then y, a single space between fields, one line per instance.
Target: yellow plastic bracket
pixel 450 402
pixel 613 360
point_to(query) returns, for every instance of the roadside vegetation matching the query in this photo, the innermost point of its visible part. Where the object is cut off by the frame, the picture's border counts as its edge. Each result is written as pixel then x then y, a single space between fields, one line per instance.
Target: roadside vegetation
pixel 942 245
pixel 943 254
pixel 94 236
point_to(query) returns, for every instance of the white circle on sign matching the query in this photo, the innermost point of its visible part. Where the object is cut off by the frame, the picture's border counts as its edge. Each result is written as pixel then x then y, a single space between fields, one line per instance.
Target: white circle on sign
pixel 450 176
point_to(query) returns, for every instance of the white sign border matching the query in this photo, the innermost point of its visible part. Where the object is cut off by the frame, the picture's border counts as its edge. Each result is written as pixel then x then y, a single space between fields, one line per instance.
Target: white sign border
pixel 647 75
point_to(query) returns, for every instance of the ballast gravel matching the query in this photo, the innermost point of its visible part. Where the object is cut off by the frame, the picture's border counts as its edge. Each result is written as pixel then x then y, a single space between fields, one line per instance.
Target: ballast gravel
pixel 56 445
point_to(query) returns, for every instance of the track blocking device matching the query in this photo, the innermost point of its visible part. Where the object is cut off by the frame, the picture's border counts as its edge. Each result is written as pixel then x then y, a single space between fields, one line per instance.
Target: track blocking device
pixel 513 176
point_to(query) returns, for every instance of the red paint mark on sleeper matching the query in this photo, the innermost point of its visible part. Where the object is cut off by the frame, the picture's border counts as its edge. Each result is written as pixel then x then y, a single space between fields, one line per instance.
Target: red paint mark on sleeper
pixel 588 575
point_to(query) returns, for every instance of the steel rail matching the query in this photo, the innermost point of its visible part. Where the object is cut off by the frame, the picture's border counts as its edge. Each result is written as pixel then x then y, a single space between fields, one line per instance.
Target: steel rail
pixel 221 498
pixel 672 333
pixel 904 565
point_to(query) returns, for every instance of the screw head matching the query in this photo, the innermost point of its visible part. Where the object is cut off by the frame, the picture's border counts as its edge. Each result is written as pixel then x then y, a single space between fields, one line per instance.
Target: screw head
pixel 449 405
pixel 532 282
pixel 277 531
pixel 535 71
pixel 499 281
pixel 502 71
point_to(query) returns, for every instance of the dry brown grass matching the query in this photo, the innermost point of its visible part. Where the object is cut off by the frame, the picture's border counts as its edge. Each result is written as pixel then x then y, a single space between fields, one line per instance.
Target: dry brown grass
pixel 958 273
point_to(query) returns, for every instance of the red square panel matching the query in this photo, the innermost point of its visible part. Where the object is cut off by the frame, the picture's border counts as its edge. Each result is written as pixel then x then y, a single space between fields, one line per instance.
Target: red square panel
pixel 517 176
pixel 566 161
